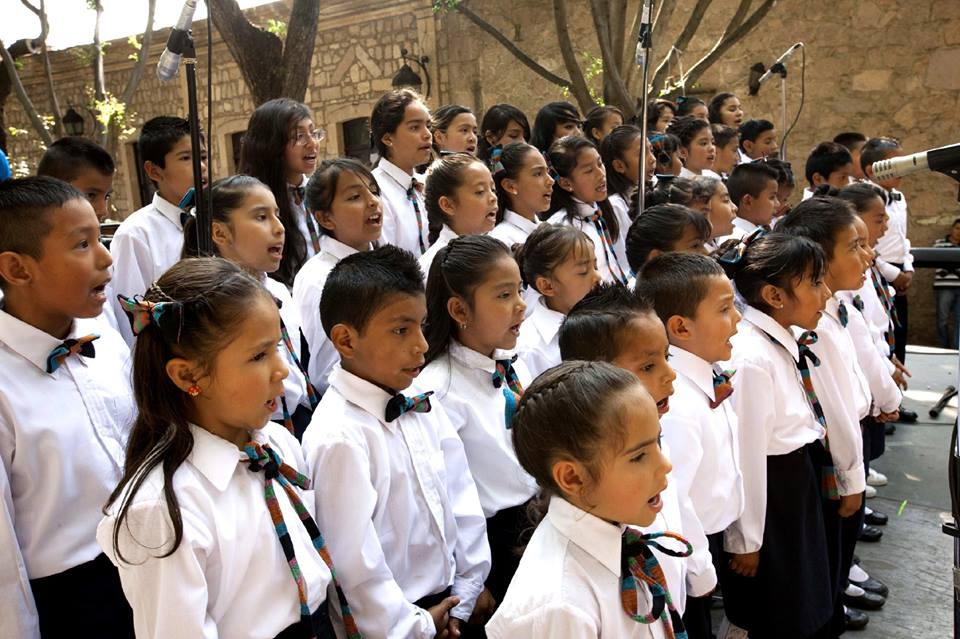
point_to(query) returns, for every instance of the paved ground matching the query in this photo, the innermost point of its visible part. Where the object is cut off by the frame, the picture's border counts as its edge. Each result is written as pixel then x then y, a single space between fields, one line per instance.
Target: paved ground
pixel 915 558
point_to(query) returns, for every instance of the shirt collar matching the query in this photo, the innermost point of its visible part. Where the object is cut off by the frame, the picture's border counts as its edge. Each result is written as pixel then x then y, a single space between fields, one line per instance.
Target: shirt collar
pixel 301 184
pixel 769 326
pixel 29 342
pixel 335 247
pixel 168 210
pixel 519 221
pixel 833 308
pixel 446 234
pixel 583 209
pixel 215 457
pixel 693 367
pixel 598 538
pixel 472 359
pixel 744 225
pixel 395 172
pixel 546 321
pixel 360 392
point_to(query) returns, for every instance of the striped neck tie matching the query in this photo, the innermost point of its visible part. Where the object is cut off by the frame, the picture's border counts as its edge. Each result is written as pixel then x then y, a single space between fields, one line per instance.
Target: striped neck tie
pixel 828 480
pixel 607 241
pixel 722 388
pixel 638 566
pixel 298 193
pixel 412 192
pixel 505 378
pixel 883 292
pixel 79 346
pixel 400 404
pixel 263 458
pixel 312 394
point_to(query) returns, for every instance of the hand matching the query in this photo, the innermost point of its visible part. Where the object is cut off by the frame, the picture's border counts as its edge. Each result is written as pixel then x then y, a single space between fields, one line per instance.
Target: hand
pixel 900 366
pixel 902 282
pixel 441 615
pixel 745 565
pixel 893 416
pixel 453 627
pixel 485 606
pixel 850 504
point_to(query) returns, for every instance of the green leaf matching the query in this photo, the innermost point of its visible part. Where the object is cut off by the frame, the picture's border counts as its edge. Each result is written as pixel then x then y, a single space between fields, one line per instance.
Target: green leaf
pixel 277 28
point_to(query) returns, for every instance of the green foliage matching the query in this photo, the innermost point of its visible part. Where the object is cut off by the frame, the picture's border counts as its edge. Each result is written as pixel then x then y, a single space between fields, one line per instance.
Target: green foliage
pixel 277 28
pixel 592 66
pixel 137 46
pixel 443 6
pixel 111 113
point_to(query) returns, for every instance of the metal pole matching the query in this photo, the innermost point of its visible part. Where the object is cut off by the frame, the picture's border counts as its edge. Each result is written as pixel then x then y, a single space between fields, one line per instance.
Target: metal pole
pixel 204 237
pixel 783 114
pixel 644 47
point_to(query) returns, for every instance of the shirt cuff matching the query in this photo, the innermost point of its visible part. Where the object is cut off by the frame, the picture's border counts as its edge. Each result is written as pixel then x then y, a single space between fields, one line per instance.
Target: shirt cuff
pixel 703 583
pixel 468 593
pixel 889 271
pixel 851 482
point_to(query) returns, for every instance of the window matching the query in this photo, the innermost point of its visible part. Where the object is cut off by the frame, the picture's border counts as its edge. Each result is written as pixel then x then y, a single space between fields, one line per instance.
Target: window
pixel 356 139
pixel 236 140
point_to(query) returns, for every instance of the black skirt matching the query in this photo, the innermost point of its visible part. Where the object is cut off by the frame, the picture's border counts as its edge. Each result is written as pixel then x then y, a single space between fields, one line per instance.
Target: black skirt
pixel 507 532
pixel 320 626
pixel 791 596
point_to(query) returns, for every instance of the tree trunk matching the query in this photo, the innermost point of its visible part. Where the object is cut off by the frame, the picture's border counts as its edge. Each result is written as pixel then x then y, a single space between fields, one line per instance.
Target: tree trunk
pixel 612 80
pixel 110 136
pixel 299 46
pixel 581 92
pixel 17 86
pixel 57 113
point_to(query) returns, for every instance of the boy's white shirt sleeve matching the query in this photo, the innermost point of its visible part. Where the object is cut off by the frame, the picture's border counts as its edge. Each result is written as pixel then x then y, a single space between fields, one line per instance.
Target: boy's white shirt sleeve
pixel 18 612
pixel 889 271
pixel 346 518
pixel 753 403
pixel 129 254
pixel 683 434
pixel 472 551
pixel 557 620
pixel 877 369
pixel 168 595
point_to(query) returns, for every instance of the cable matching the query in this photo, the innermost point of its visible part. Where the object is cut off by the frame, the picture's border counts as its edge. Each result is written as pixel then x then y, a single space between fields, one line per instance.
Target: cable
pixel 803 74
pixel 211 142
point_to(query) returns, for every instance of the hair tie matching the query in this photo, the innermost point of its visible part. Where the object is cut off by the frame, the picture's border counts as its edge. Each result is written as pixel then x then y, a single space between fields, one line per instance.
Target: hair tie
pixel 737 251
pixel 496 166
pixel 552 171
pixel 142 313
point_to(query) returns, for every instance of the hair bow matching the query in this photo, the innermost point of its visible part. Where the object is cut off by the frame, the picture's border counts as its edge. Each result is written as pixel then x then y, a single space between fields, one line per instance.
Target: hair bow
pixel 496 166
pixel 735 254
pixel 142 313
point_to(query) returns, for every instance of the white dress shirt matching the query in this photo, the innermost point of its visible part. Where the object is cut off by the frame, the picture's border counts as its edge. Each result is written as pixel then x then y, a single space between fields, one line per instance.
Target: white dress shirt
pixel 707 468
pixel 539 343
pixel 773 415
pixel 514 229
pixel 398 505
pixel 229 576
pixel 62 439
pixel 295 385
pixel 581 220
pixel 426 260
pixel 399 217
pixel 621 208
pixel 568 583
pixel 307 291
pixel 62 442
pixel 885 393
pixel 875 314
pixel 145 245
pixel 462 380
pixel 301 213
pixel 843 394
pixel 894 246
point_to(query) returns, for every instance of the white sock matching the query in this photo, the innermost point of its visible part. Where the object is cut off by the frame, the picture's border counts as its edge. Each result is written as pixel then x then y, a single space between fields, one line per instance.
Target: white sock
pixel 854 591
pixel 868 511
pixel 858 574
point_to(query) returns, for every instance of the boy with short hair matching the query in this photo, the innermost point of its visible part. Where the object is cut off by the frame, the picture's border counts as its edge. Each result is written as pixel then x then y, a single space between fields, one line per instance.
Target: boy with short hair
pixel 758 139
pixel 66 407
pixel 828 163
pixel 695 301
pixel 612 324
pixel 894 259
pixel 395 497
pixel 84 164
pixel 727 141
pixel 150 240
pixel 786 183
pixel 753 188
pixel 853 141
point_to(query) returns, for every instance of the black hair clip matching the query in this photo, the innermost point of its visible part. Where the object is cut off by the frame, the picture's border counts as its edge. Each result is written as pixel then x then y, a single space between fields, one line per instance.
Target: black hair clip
pixel 736 252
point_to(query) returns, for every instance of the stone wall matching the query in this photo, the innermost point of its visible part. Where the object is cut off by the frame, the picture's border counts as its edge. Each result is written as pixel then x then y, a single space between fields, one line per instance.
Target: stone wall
pixel 884 67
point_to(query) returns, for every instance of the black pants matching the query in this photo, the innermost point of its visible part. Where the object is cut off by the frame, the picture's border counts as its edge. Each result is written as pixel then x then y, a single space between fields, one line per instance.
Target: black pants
pixel 900 330
pixel 696 615
pixel 506 532
pixel 321 627
pixel 84 601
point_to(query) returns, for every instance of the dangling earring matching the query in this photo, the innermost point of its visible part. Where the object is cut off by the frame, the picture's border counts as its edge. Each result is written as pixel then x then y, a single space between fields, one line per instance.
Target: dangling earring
pixel 463 326
pixel 193 391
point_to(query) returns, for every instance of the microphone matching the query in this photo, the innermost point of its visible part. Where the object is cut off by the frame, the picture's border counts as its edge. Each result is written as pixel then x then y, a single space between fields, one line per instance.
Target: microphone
pixel 945 159
pixel 177 43
pixel 644 34
pixel 778 65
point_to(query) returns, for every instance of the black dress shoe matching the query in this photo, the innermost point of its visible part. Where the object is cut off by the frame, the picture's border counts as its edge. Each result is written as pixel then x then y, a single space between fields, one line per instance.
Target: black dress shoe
pixel 870 534
pixel 866 601
pixel 875 519
pixel 889 428
pixel 873 585
pixel 907 416
pixel 855 619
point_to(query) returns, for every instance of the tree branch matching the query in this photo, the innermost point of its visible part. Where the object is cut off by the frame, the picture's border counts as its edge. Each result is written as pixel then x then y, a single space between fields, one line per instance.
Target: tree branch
pixel 579 85
pixel 137 74
pixel 617 17
pixel 25 102
pixel 48 72
pixel 299 45
pixel 508 44
pixel 738 33
pixel 255 50
pixel 611 74
pixel 689 30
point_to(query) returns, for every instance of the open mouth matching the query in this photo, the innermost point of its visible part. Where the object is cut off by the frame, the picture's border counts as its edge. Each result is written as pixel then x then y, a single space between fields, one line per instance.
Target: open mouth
pixel 515 329
pixel 471 149
pixel 602 188
pixel 310 159
pixel 663 406
pixel 412 371
pixel 375 220
pixel 655 503
pixel 276 252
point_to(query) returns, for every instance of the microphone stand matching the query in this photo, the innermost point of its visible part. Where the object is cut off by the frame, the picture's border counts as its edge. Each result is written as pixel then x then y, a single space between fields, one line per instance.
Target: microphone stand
pixel 644 48
pixel 203 225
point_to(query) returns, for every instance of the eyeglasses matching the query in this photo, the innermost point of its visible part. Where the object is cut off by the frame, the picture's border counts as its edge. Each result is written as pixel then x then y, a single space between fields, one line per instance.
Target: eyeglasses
pixel 302 139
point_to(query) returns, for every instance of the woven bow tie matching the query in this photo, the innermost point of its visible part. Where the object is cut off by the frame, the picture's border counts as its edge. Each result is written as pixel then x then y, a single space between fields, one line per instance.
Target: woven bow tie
pixel 607 241
pixel 639 564
pixel 400 404
pixel 79 346
pixel 722 388
pixel 828 479
pixel 858 303
pixel 843 314
pixel 512 390
pixel 265 459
